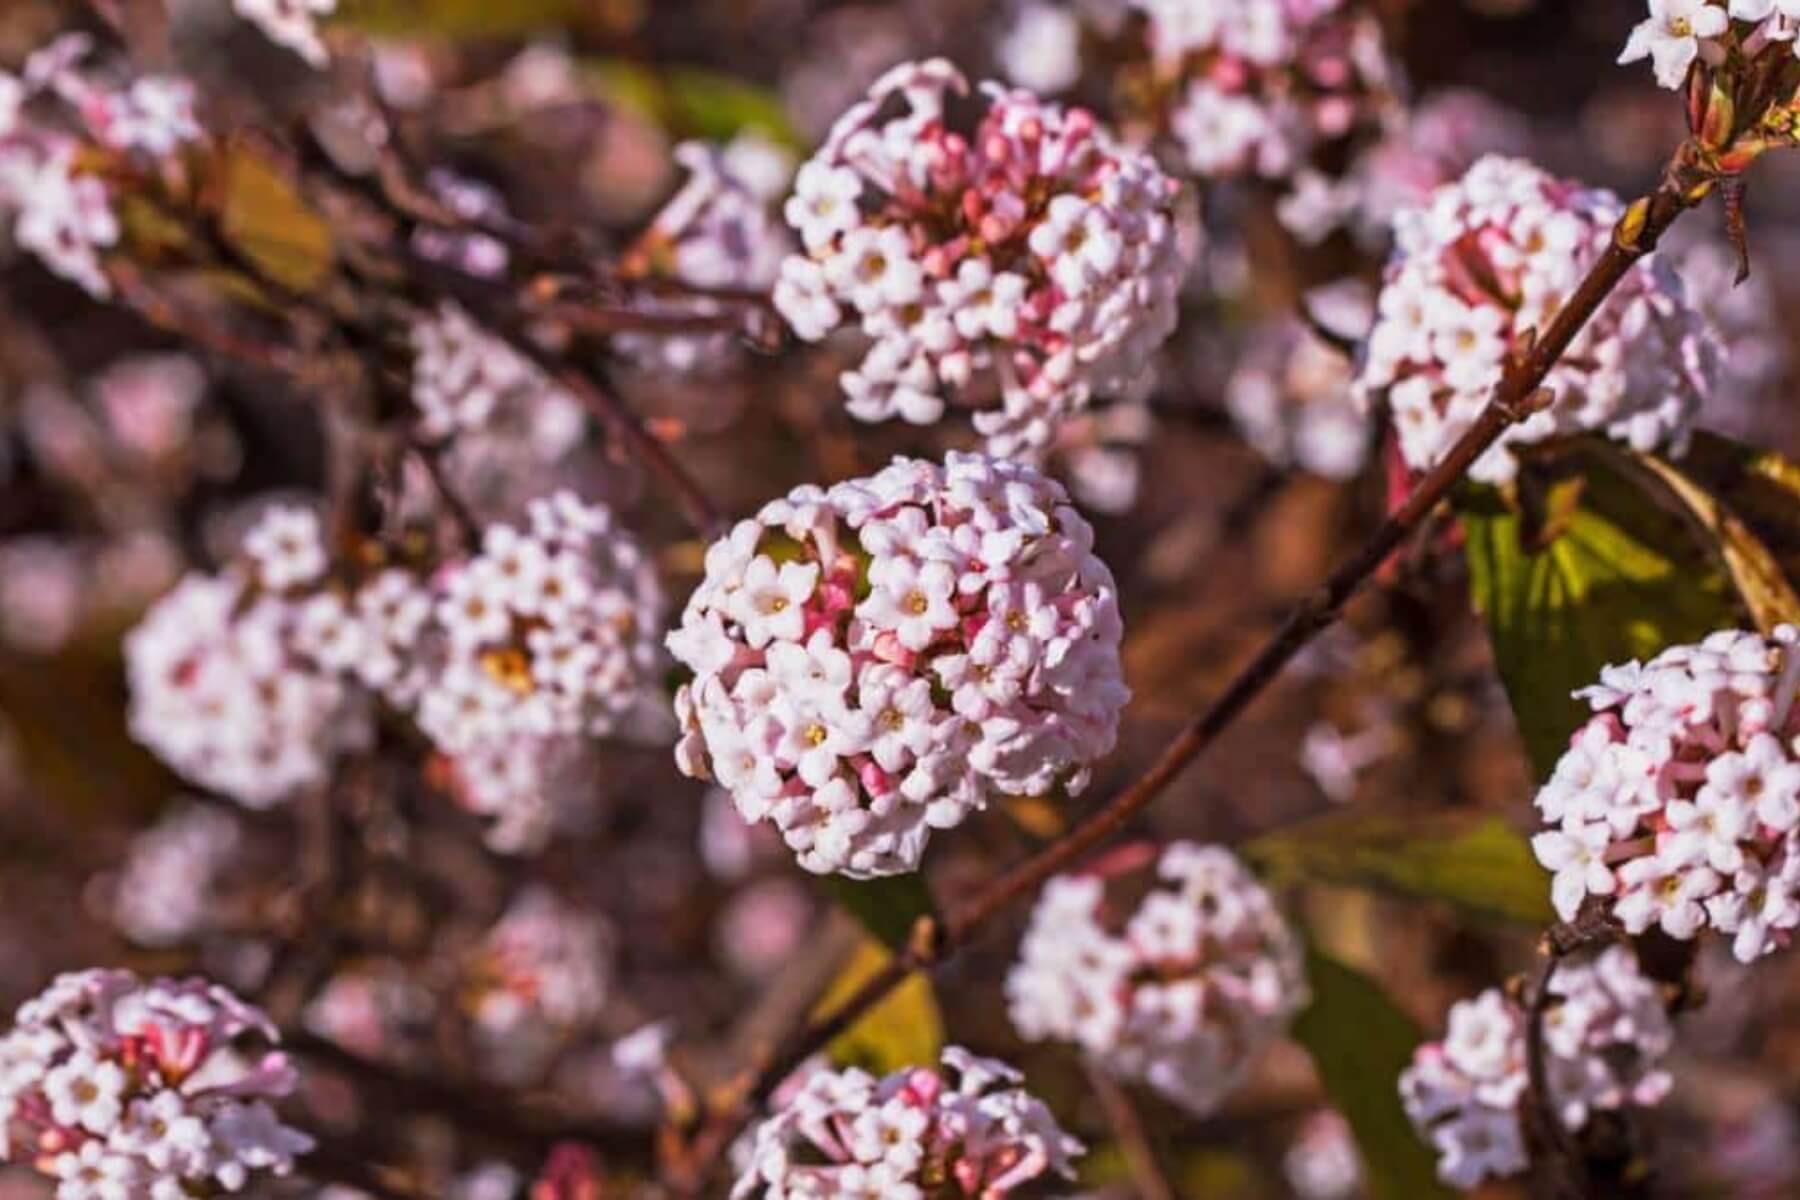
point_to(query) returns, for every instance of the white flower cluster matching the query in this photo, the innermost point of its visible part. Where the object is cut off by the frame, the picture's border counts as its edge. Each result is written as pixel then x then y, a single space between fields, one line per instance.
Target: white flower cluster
pixel 61 208
pixel 1184 996
pixel 1267 82
pixel 1604 1042
pixel 466 381
pixel 164 893
pixel 540 975
pixel 963 1129
pixel 1493 256
pixel 291 23
pixel 878 660
pixel 1031 250
pixel 550 631
pixel 1290 397
pixel 1678 804
pixel 1679 31
pixel 226 683
pixel 119 1088
pixel 718 233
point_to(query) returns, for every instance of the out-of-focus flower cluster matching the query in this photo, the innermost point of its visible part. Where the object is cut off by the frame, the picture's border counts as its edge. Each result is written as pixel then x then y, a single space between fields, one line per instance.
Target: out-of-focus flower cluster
pixel 880 659
pixel 117 1087
pixel 1184 994
pixel 540 976
pixel 228 682
pixel 1605 1036
pixel 251 682
pixel 1291 398
pixel 718 234
pixel 467 381
pixel 66 121
pixel 963 1129
pixel 1493 256
pixel 1678 804
pixel 1031 254
pixel 1262 88
pixel 1322 1162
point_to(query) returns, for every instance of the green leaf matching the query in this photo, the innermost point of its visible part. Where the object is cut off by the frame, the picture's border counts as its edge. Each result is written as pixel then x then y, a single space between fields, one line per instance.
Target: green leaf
pixel 1613 575
pixel 456 18
pixel 904 1030
pixel 1360 1042
pixel 1479 863
pixel 691 102
pixel 888 908
pixel 267 222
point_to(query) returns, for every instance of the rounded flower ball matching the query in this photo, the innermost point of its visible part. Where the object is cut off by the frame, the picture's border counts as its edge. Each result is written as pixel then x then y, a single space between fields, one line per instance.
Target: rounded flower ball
pixel 1678 804
pixel 227 686
pixel 877 660
pixel 1183 994
pixel 1605 1037
pixel 1493 256
pixel 1029 255
pixel 965 1129
pixel 548 631
pixel 117 1087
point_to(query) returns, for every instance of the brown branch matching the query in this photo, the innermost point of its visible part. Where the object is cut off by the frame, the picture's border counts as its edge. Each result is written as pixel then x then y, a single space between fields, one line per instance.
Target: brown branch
pixel 1518 395
pixel 1134 1140
pixel 477 1108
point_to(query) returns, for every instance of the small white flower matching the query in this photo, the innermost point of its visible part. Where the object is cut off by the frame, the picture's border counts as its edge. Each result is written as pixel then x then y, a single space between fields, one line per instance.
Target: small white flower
pixel 1671 36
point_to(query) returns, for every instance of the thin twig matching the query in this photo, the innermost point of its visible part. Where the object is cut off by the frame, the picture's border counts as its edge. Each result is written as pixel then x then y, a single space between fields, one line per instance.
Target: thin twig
pixel 1134 1140
pixel 1517 396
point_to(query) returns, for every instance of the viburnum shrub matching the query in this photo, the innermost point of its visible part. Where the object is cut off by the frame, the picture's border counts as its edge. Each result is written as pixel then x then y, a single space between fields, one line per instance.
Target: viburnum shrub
pixel 1026 254
pixel 115 1086
pixel 1606 1033
pixel 963 1129
pixel 1678 805
pixel 1182 992
pixel 882 658
pixel 1494 255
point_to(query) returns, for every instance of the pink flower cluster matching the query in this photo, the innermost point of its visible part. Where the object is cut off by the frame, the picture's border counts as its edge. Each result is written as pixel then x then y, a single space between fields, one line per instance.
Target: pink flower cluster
pixel 53 116
pixel 1604 1040
pixel 120 1088
pixel 965 1129
pixel 1493 256
pixel 1030 253
pixel 1678 804
pixel 228 685
pixel 1183 994
pixel 1290 398
pixel 550 631
pixel 253 681
pixel 1266 83
pixel 718 233
pixel 539 977
pixel 465 380
pixel 878 660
